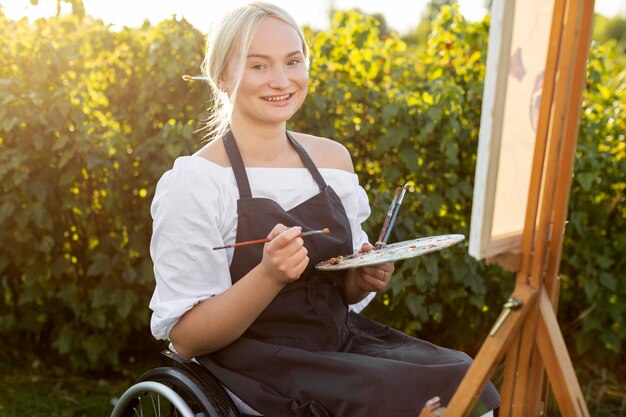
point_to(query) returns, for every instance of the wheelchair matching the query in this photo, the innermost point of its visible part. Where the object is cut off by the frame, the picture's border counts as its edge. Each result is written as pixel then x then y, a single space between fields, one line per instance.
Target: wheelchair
pixel 185 389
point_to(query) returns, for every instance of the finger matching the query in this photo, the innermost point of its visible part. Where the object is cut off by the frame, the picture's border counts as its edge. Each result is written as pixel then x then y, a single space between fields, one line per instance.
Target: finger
pixel 296 250
pixel 283 238
pixel 366 247
pixel 376 273
pixel 371 283
pixel 297 264
pixel 388 268
pixel 302 264
pixel 278 229
pixel 374 282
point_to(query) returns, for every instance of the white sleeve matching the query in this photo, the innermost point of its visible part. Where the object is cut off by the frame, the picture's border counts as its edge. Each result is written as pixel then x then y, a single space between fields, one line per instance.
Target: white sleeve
pixel 363 211
pixel 360 212
pixel 186 226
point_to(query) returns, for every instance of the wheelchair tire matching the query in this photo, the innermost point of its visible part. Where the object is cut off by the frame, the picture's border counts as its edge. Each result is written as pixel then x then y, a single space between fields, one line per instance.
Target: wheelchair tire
pixel 190 399
pixel 150 398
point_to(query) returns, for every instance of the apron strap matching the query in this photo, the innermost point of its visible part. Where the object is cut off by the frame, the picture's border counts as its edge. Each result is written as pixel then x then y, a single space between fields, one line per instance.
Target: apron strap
pixel 240 170
pixel 237 163
pixel 308 163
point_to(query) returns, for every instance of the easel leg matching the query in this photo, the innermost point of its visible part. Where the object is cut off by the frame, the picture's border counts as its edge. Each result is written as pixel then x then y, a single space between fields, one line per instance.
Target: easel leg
pixel 510 377
pixel 534 393
pixel 557 361
pixel 490 354
pixel 520 406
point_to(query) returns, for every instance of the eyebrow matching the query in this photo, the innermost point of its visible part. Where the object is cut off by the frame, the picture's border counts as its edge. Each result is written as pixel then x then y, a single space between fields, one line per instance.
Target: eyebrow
pixel 268 57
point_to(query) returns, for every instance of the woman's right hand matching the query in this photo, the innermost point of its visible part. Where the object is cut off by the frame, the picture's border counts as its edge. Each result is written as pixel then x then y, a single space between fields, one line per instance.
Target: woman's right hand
pixel 284 257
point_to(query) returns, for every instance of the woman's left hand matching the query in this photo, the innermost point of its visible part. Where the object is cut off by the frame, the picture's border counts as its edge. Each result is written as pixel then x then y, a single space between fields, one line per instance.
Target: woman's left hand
pixel 373 278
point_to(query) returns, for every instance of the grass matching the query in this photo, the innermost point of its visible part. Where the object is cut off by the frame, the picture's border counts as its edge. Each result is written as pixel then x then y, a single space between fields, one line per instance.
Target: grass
pixel 605 391
pixel 34 388
pixel 40 390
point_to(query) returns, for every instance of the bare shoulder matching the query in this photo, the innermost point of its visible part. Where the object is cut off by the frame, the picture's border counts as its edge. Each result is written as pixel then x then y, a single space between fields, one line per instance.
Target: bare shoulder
pixel 325 153
pixel 215 152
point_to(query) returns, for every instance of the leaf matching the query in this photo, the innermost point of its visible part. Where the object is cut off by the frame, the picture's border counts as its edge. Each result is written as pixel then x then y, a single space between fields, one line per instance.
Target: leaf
pixel 435 310
pixel 611 340
pixel 60 142
pixel 410 157
pixel 432 267
pixel 65 157
pixel 415 305
pixel 608 281
pixel 585 179
pixel 604 261
pixel 39 215
pixel 125 303
pixel 6 210
pixel 433 203
pixel 9 123
pixel 101 296
pixel 129 274
pixel 66 339
pixel 38 141
pixel 476 283
pixel 101 265
pixel 94 346
pixel 591 287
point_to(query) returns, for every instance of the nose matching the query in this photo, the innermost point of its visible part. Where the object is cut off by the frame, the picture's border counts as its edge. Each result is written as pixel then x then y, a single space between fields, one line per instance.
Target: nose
pixel 279 79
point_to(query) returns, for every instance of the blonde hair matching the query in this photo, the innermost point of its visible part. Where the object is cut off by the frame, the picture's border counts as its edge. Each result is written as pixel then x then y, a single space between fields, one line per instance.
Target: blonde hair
pixel 230 40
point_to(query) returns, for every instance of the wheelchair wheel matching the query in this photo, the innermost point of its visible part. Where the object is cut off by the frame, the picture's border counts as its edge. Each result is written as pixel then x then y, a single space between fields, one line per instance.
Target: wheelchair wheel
pixel 168 392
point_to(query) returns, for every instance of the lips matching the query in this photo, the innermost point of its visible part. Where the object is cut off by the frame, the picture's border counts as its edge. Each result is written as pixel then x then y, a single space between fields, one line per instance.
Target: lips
pixel 278 98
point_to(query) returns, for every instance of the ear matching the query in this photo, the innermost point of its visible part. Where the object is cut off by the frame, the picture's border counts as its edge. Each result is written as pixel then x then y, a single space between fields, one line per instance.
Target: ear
pixel 219 83
pixel 222 86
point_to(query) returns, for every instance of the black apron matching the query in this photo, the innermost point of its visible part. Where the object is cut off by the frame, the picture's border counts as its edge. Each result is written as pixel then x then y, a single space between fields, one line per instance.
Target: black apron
pixel 306 355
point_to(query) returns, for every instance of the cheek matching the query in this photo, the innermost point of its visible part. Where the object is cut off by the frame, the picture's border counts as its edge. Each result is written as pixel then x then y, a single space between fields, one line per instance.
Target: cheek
pixel 251 81
pixel 305 79
pixel 303 82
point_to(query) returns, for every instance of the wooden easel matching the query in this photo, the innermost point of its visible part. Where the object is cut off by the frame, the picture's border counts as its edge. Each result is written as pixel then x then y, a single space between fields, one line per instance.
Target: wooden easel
pixel 530 335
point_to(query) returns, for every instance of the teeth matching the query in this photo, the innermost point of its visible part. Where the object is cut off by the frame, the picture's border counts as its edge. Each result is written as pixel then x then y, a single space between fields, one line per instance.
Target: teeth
pixel 277 98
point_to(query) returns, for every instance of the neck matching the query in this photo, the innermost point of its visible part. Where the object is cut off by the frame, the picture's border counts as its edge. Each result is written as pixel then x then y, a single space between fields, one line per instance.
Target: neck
pixel 262 145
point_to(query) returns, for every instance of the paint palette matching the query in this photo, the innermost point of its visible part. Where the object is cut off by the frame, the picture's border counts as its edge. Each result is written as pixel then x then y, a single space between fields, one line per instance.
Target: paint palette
pixel 391 253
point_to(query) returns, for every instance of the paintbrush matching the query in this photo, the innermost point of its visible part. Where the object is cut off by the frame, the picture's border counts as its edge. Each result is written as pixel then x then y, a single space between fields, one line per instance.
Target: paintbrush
pixel 392 212
pixel 324 231
pixel 194 77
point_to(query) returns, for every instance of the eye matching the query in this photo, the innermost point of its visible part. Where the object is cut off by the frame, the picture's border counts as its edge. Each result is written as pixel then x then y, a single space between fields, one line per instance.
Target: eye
pixel 293 62
pixel 258 66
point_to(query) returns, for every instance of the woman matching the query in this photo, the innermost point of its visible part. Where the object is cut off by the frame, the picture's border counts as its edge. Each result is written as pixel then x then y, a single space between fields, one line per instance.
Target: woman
pixel 275 331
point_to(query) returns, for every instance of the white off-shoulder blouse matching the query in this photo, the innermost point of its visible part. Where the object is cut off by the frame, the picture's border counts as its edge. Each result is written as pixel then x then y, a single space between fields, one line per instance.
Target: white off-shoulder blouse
pixel 195 209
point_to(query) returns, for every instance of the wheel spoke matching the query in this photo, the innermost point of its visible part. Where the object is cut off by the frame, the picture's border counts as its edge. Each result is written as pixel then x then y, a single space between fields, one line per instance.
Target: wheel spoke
pixel 154 407
pixel 140 412
pixel 131 404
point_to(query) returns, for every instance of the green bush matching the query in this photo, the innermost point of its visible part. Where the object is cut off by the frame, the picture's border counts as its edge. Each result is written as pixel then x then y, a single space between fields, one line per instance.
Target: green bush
pixel 594 262
pixel 91 117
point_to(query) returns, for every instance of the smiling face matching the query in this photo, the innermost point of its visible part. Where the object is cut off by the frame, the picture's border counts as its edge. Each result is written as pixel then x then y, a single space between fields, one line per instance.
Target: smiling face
pixel 274 79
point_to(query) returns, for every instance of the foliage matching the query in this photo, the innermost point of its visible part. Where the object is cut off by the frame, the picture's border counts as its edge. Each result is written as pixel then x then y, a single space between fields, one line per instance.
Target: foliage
pixel 90 118
pixel 594 288
pixel 605 29
pixel 418 36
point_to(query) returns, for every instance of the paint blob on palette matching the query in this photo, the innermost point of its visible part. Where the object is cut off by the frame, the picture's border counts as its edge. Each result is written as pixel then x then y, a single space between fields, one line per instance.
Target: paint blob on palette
pixel 391 253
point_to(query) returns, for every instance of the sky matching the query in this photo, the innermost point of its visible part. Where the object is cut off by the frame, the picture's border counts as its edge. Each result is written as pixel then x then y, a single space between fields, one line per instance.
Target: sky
pixel 401 15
